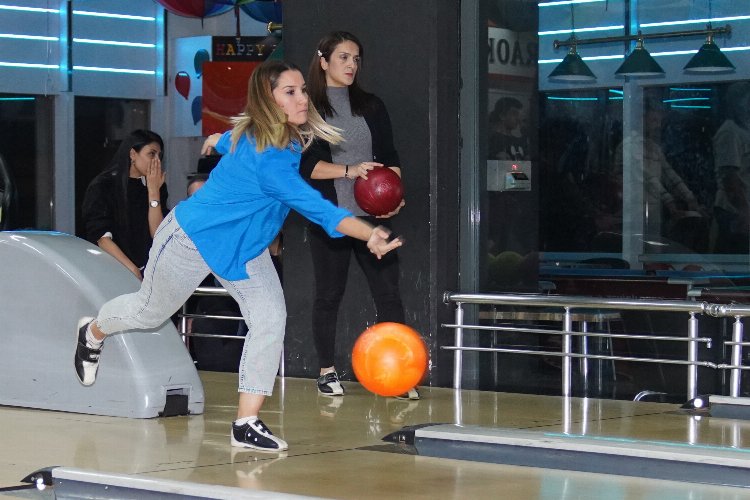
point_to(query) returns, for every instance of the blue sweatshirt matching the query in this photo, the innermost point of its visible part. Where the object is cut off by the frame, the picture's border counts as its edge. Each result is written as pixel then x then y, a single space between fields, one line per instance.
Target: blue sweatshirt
pixel 242 206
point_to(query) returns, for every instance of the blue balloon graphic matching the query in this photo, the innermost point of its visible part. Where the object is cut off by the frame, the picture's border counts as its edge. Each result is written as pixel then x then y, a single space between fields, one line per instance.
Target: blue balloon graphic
pixel 200 57
pixel 263 11
pixel 197 109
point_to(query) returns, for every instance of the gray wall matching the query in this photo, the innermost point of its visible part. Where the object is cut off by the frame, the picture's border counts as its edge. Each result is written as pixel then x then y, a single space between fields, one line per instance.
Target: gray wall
pixel 411 60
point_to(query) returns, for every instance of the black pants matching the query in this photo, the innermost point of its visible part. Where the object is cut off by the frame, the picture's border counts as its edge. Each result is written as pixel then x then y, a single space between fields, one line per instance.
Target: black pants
pixel 331 258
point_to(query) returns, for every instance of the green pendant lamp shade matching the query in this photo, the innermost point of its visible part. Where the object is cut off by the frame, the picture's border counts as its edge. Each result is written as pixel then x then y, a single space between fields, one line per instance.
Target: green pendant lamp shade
pixel 572 69
pixel 709 59
pixel 639 63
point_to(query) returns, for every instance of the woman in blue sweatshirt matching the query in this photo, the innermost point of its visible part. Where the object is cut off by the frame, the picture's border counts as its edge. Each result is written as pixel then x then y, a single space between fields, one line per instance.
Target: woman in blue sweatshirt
pixel 225 229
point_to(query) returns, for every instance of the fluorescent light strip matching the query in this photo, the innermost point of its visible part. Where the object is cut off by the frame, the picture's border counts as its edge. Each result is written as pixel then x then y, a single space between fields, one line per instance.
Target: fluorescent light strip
pixel 616 91
pixel 735 49
pixel 567 2
pixel 581 30
pixel 687 89
pixel 683 52
pixel 114 70
pixel 30 37
pixel 695 21
pixel 555 98
pixel 114 16
pixel 684 99
pixel 674 53
pixel 16 98
pixel 28 65
pixel 28 9
pixel 691 107
pixel 592 58
pixel 113 42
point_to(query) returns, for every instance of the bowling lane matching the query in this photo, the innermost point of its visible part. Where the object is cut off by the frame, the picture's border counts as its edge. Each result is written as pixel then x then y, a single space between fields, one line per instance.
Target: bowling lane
pixel 343 437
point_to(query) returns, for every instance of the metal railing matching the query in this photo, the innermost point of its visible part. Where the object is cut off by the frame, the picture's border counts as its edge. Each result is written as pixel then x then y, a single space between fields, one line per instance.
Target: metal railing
pixel 211 291
pixel 568 307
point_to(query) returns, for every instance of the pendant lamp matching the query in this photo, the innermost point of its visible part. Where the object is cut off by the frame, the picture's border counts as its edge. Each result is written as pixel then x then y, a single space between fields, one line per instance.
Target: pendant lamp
pixel 572 69
pixel 639 63
pixel 709 59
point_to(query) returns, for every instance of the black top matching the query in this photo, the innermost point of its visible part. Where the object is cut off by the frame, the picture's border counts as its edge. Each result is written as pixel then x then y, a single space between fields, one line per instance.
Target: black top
pixel 383 151
pixel 98 212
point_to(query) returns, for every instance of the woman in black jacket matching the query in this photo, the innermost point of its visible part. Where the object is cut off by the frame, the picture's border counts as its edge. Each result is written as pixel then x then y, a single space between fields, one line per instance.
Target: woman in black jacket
pixel 368 143
pixel 125 203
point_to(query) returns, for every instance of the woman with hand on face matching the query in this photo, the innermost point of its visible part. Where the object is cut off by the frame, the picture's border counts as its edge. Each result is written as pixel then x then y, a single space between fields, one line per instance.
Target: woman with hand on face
pixel 225 228
pixel 125 204
pixel 332 170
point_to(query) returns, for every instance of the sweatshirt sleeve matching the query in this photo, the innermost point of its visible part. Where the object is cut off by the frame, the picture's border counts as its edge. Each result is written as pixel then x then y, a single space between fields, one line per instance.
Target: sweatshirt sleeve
pixel 97 211
pixel 224 144
pixel 281 180
pixel 388 154
pixel 319 150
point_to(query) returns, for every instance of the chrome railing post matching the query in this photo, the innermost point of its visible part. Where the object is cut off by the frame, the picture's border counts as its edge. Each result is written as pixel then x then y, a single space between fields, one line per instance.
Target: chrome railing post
pixel 183 324
pixel 459 343
pixel 566 348
pixel 692 381
pixel 734 379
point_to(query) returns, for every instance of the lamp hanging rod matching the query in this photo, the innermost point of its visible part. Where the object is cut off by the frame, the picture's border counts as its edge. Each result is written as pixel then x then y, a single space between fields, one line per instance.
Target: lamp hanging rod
pixel 628 38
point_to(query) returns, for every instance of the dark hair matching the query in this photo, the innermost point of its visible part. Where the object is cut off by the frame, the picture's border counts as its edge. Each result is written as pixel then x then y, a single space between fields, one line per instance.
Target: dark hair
pixel 194 179
pixel 316 77
pixel 502 106
pixel 119 168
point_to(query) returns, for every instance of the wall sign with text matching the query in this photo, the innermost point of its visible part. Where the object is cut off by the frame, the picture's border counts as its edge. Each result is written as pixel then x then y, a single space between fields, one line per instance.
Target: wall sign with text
pixel 242 48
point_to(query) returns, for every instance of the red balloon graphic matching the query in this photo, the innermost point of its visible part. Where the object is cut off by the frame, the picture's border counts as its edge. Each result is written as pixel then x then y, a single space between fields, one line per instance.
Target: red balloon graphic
pixel 197 8
pixel 182 84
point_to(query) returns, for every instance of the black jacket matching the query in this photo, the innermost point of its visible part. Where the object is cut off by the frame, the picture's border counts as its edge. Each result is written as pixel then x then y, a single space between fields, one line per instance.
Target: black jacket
pixel 383 150
pixel 99 212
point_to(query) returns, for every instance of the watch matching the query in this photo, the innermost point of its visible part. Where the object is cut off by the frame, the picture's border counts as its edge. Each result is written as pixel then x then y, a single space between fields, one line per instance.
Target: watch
pixel 154 203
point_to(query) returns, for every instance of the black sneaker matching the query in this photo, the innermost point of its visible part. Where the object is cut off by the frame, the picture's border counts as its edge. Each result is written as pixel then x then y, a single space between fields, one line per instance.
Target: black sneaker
pixel 330 385
pixel 86 358
pixel 412 394
pixel 257 436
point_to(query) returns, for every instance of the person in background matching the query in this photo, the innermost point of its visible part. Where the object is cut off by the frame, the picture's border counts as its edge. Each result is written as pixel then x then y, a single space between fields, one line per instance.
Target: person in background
pixel 195 183
pixel 506 141
pixel 731 146
pixel 125 203
pixel 332 169
pixel 225 229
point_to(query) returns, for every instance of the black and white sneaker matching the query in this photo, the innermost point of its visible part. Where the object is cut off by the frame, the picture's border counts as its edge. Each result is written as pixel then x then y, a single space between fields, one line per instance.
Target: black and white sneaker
pixel 86 358
pixel 257 436
pixel 330 385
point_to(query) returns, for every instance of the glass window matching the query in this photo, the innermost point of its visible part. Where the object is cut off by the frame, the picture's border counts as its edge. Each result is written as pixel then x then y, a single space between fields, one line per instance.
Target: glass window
pixel 25 162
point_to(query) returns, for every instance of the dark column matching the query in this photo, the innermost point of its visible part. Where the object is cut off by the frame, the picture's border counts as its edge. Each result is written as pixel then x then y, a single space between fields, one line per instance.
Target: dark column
pixel 412 62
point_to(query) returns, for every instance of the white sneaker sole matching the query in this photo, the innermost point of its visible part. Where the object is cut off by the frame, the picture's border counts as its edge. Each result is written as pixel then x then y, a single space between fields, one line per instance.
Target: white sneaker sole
pixel 242 444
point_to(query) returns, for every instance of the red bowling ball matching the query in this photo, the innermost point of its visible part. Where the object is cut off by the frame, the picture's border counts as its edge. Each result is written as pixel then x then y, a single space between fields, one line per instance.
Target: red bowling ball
pixel 380 193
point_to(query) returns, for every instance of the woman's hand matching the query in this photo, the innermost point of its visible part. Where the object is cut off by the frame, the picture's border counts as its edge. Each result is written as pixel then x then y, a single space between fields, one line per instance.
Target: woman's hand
pixel 378 242
pixel 361 169
pixel 136 272
pixel 210 144
pixel 155 177
pixel 391 214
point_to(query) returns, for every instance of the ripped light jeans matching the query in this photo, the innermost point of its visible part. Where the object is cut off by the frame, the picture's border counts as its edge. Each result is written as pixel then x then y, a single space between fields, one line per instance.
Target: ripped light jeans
pixel 175 269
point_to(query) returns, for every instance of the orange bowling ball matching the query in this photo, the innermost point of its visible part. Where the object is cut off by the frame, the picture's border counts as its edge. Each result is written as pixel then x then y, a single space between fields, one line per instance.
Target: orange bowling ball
pixel 389 359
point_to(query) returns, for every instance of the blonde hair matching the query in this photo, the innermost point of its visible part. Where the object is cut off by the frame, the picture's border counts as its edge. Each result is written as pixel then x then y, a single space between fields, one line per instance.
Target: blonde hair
pixel 263 119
